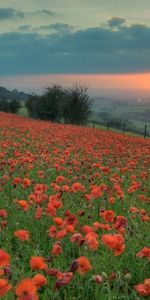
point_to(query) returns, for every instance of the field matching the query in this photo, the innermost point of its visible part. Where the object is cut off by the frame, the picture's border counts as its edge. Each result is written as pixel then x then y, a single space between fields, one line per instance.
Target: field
pixel 136 112
pixel 74 212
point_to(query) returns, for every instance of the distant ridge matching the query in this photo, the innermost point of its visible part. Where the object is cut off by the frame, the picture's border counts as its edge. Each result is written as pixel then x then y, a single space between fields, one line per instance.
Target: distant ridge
pixel 14 94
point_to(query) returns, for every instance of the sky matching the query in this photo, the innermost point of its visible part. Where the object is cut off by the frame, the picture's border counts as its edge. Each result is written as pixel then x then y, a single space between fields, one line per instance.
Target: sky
pixel 104 44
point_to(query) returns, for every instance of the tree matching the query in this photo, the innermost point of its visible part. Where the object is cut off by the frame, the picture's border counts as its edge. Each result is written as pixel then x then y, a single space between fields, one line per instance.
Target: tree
pixel 57 103
pixel 47 106
pixel 14 106
pixel 77 105
pixel 51 103
pixel 32 105
pixel 4 105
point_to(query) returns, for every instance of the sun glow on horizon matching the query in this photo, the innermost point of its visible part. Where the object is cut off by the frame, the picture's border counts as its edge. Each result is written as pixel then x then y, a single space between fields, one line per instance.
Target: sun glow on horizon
pixel 97 82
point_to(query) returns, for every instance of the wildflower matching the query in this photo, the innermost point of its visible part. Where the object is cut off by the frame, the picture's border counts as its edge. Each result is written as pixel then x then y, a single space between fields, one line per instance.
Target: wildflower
pixel 56 250
pixel 145 252
pixel 3 213
pixel 143 289
pixel 54 273
pixel 91 240
pixel 114 242
pixel 26 182
pixel 38 263
pixel 84 265
pixel 22 235
pixel 5 287
pixel 24 205
pixel 52 231
pixel 108 215
pixel 38 213
pixel 39 280
pixel 58 221
pixel 66 278
pixel 26 290
pixel 4 258
pixel 98 278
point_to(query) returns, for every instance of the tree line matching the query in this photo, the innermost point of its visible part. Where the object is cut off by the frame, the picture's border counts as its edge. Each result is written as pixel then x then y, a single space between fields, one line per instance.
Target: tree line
pixel 59 104
pixel 11 106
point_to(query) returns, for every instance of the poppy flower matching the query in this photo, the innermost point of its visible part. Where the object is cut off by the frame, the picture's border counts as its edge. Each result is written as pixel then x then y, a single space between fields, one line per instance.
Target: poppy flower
pixel 22 235
pixel 61 234
pixel 3 213
pixel 114 242
pixel 24 205
pixel 4 258
pixel 143 289
pixel 5 287
pixel 84 265
pixel 17 180
pixel 77 187
pixel 58 221
pixel 54 273
pixel 91 240
pixel 26 290
pixel 39 280
pixel 66 278
pixel 38 213
pixel 51 210
pixel 52 231
pixel 145 252
pixel 56 250
pixel 107 215
pixel 38 263
pixel 26 182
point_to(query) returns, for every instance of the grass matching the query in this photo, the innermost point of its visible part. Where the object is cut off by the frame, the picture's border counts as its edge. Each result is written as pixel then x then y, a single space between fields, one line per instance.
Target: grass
pixel 23 112
pixel 67 155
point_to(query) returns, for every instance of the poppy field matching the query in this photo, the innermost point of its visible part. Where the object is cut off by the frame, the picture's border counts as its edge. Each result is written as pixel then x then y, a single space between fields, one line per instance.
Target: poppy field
pixel 74 212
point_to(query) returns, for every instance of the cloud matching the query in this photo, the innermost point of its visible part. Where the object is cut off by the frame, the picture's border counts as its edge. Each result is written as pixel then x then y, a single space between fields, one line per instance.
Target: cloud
pixel 45 12
pixel 24 28
pixel 58 27
pixel 116 22
pixel 11 13
pixel 93 50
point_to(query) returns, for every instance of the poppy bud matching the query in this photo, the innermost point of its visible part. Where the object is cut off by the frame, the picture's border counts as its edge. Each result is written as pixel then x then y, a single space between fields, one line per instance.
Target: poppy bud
pixel 8 272
pixel 128 276
pixel 74 266
pixel 98 278
pixel 49 259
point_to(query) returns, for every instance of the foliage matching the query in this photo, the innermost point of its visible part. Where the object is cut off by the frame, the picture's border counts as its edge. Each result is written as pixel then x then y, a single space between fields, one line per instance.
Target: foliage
pixel 77 105
pixel 57 103
pixel 14 106
pixel 4 105
pixel 10 106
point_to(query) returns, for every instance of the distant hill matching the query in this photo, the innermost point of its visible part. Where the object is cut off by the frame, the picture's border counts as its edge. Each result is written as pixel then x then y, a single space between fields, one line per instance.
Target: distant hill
pixel 10 95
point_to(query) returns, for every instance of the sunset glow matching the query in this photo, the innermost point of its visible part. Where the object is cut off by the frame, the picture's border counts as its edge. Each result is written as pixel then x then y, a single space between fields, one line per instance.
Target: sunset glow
pixel 95 82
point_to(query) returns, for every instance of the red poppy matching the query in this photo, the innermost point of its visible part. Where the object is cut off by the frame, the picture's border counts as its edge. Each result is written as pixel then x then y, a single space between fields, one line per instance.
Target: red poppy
pixel 22 235
pixel 26 290
pixel 114 242
pixel 56 250
pixel 5 287
pixel 84 265
pixel 38 263
pixel 145 252
pixel 4 258
pixel 39 280
pixel 143 289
